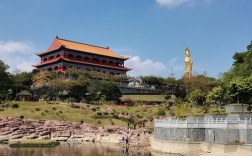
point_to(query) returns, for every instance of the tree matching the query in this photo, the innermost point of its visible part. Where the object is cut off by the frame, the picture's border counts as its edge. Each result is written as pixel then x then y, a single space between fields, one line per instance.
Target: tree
pixel 156 81
pixel 240 89
pixel 242 66
pixel 5 80
pixel 134 80
pixel 200 82
pixel 74 88
pixel 110 90
pixel 216 95
pixel 22 81
pixel 197 97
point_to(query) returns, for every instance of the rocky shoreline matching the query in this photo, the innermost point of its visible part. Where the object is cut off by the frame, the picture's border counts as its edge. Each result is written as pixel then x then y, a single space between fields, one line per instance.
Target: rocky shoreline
pixel 14 129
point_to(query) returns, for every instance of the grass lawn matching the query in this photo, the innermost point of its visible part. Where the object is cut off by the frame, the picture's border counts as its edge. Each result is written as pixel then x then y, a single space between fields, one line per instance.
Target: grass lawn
pixel 150 98
pixel 43 110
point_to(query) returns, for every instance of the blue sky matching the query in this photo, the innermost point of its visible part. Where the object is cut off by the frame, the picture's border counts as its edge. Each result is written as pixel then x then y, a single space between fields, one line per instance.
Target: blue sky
pixel 153 33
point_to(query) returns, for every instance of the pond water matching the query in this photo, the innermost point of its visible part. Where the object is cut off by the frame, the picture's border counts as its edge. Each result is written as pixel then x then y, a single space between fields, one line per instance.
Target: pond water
pixel 86 149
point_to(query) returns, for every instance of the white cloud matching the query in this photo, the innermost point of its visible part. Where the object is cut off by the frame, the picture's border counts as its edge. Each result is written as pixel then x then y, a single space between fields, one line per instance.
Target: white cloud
pixel 18 55
pixel 172 3
pixel 15 47
pixel 144 67
pixel 175 3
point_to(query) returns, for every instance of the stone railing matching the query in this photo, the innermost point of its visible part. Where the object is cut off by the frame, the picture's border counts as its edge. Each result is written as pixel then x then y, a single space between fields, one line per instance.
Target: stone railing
pixel 210 123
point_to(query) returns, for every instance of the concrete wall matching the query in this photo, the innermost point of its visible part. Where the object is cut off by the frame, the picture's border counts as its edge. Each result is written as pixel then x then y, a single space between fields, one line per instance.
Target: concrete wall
pixel 179 134
pixel 237 135
pixel 234 108
pixel 245 136
pixel 219 136
pixel 200 148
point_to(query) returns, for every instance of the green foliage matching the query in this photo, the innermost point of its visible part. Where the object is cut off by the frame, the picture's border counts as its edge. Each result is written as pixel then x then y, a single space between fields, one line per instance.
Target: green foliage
pixel 242 66
pixel 69 100
pixel 181 110
pixel 240 89
pixel 197 97
pixel 249 47
pixel 160 112
pixel 215 95
pixel 99 122
pixel 5 80
pixel 94 109
pixel 156 81
pixel 110 90
pixel 99 113
pixel 22 79
pixel 15 106
pixel 200 82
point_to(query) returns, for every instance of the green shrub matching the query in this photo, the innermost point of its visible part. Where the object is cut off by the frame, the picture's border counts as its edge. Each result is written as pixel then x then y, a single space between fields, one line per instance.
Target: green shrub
pixel 61 112
pixel 94 109
pixel 54 108
pixel 21 117
pixel 160 112
pixel 105 113
pixel 139 116
pixel 37 109
pixel 181 110
pixel 115 116
pixel 99 122
pixel 46 111
pixel 43 114
pixel 15 106
pixel 99 113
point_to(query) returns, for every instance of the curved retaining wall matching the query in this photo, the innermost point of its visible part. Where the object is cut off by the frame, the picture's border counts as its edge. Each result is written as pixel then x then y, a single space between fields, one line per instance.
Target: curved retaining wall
pixel 200 148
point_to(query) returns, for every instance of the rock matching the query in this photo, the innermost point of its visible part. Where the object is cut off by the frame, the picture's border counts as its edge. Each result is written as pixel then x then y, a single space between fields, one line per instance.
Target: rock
pixel 60 138
pixel 2 125
pixel 32 136
pixel 44 133
pixel 17 136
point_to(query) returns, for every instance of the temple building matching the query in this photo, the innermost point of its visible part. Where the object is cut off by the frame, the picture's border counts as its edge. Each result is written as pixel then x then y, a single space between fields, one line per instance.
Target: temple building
pixel 63 54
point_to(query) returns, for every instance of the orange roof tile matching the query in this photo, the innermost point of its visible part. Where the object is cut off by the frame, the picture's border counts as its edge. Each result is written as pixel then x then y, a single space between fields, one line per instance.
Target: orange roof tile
pixel 57 43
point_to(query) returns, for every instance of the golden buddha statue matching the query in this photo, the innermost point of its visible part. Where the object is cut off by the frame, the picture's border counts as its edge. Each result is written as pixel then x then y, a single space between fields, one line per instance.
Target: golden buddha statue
pixel 188 64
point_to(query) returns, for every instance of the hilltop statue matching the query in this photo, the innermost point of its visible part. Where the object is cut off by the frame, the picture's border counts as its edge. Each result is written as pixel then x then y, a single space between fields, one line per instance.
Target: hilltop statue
pixel 188 64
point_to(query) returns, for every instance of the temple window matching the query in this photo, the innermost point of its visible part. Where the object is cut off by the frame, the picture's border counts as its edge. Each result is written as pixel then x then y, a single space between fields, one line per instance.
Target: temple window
pixel 111 63
pixel 117 64
pixel 78 58
pixel 70 56
pixel 45 59
pixel 58 55
pixel 95 60
pixel 51 57
pixel 104 62
pixel 86 59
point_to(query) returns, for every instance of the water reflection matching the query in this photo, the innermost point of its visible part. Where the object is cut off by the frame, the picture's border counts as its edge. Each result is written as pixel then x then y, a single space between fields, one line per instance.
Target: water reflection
pixel 86 149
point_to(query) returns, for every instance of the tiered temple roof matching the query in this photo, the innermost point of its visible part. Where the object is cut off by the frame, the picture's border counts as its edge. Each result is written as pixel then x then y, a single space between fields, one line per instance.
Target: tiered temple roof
pixel 64 52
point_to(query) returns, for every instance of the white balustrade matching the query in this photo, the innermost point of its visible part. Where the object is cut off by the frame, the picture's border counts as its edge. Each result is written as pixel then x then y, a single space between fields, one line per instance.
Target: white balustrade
pixel 213 123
